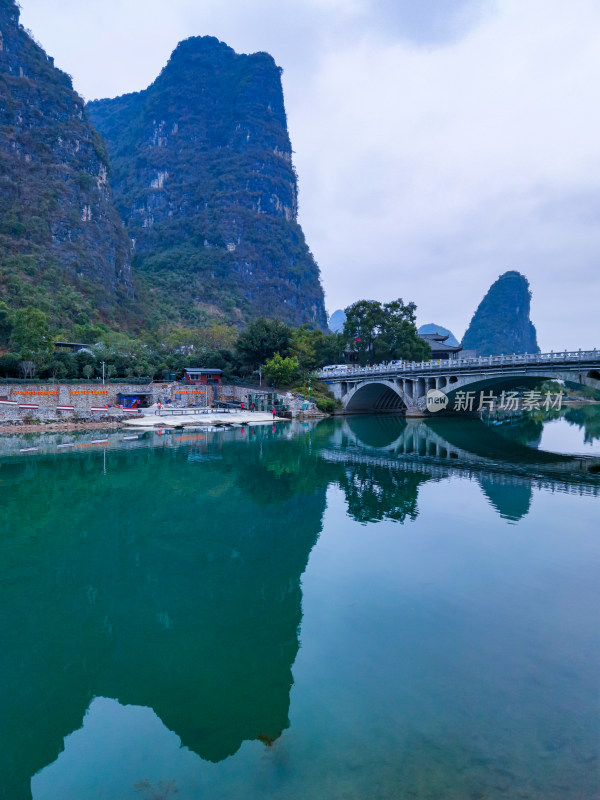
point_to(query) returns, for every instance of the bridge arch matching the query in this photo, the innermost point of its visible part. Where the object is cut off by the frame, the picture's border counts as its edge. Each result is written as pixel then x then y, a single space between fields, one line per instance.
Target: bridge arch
pixel 387 388
pixel 498 383
pixel 376 397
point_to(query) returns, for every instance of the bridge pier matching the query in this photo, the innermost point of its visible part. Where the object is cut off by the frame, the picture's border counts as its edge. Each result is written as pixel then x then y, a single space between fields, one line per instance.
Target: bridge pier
pixel 416 413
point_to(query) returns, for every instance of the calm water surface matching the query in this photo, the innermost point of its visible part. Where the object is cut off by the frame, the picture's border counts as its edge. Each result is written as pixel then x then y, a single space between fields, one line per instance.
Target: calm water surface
pixel 359 608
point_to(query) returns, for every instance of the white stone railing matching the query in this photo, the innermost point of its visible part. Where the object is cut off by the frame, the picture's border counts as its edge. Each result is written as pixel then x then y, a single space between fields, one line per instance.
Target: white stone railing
pixel 565 357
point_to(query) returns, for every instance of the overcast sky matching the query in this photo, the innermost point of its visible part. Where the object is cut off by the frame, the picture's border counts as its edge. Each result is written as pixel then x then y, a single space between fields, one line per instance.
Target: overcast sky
pixel 438 143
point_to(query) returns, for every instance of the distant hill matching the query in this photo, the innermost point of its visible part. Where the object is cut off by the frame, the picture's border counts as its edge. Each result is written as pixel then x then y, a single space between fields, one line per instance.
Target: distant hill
pixel 432 328
pixel 336 321
pixel 63 247
pixel 501 323
pixel 204 181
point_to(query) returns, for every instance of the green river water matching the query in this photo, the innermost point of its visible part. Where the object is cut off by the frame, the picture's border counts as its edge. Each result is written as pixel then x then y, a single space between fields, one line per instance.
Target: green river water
pixel 355 608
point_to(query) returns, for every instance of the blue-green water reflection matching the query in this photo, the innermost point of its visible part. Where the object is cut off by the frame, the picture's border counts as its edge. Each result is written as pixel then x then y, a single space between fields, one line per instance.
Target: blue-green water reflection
pixel 359 608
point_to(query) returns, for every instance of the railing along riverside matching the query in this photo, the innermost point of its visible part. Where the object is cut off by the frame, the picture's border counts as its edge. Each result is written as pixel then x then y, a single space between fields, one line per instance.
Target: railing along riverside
pixel 469 364
pixel 180 412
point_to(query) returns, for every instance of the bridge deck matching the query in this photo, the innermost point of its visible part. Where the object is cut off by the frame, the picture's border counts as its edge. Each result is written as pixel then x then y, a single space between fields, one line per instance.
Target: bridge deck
pixel 585 359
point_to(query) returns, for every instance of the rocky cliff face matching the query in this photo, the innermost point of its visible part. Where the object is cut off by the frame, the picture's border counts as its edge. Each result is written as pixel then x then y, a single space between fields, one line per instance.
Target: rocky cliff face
pixel 58 224
pixel 203 179
pixel 501 324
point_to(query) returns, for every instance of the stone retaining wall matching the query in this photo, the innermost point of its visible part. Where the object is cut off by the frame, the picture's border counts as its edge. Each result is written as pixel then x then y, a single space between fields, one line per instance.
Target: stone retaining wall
pixel 80 395
pixel 48 397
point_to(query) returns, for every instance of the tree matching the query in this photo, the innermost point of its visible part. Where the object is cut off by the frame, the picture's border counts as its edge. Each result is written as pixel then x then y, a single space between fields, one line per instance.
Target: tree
pixel 330 348
pixel 400 339
pixel 314 349
pixel 6 324
pixel 384 332
pixel 85 363
pixel 10 365
pixel 63 365
pixel 141 368
pixel 121 351
pixel 218 337
pixel 31 336
pixel 261 340
pixel 303 347
pixel 364 323
pixel 58 369
pixel 27 369
pixel 281 371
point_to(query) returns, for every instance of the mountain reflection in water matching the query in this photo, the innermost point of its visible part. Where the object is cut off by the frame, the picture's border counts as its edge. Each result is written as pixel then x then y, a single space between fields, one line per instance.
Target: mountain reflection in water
pixel 169 577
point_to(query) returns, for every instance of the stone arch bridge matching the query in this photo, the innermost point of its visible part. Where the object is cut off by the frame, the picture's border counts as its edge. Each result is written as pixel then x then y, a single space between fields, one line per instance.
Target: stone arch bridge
pixel 402 388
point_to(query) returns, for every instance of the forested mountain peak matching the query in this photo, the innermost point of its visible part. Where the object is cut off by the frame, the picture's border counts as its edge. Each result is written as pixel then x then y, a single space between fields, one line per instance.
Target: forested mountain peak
pixel 501 324
pixel 203 177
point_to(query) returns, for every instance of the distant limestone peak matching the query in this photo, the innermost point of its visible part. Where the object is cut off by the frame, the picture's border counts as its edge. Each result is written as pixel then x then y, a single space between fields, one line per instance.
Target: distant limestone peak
pixel 337 320
pixel 501 324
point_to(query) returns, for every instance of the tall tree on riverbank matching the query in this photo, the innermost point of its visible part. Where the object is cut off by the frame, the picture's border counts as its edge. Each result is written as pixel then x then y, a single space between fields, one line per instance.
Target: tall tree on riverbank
pixel 261 340
pixel 31 337
pixel 384 332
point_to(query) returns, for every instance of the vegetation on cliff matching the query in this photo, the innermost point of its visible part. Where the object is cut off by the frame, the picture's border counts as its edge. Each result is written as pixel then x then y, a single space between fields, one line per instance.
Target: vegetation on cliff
pixel 203 179
pixel 204 182
pixel 63 248
pixel 501 324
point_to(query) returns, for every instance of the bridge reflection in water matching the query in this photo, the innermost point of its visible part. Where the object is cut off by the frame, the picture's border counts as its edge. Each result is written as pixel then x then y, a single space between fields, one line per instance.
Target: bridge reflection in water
pixel 506 470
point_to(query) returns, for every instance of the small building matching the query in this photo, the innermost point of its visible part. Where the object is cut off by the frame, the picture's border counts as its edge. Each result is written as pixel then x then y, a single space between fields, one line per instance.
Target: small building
pixel 439 349
pixel 202 376
pixel 135 399
pixel 73 347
